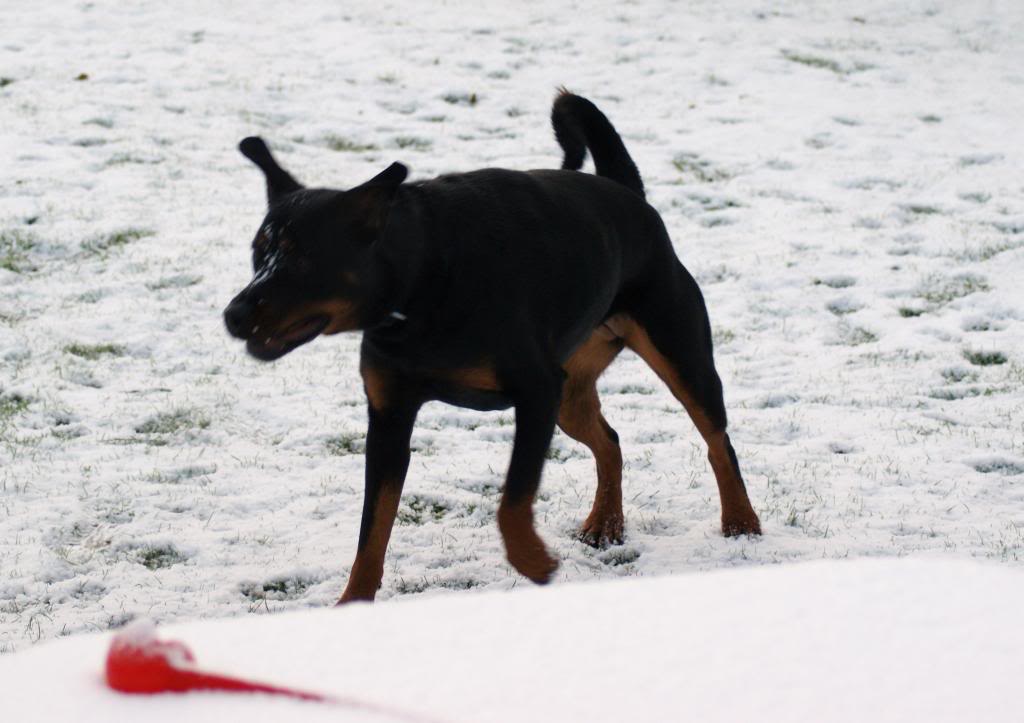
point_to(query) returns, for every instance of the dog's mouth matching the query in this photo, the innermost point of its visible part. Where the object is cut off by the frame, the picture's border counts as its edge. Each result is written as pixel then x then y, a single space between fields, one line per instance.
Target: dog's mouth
pixel 267 347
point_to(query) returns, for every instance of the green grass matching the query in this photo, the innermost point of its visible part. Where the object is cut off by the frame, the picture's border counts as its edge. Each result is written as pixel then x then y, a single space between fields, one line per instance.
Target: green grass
pixel 690 164
pixel 11 405
pixel 823 63
pixel 174 421
pixel 101 245
pixel 417 510
pixel 277 588
pixel 987 250
pixel 92 352
pixel 345 444
pixel 984 358
pixel 158 556
pixel 856 335
pixel 413 143
pixel 14 247
pixel 939 290
pixel 909 313
pixel 469 99
pixel 347 145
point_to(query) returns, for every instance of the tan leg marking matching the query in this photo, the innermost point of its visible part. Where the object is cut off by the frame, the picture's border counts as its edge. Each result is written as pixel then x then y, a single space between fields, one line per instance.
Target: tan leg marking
pixel 524 548
pixel 580 417
pixel 738 516
pixel 368 568
pixel 376 384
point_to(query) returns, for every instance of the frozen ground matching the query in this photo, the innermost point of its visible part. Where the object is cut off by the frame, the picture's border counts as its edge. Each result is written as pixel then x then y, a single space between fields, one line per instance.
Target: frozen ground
pixel 853 641
pixel 843 178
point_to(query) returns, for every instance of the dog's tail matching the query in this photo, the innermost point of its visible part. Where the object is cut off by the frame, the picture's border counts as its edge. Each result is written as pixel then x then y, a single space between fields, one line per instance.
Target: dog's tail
pixel 580 126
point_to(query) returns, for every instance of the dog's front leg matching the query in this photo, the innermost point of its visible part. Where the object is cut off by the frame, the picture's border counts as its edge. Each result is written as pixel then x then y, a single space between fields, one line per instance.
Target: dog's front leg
pixel 387 460
pixel 536 410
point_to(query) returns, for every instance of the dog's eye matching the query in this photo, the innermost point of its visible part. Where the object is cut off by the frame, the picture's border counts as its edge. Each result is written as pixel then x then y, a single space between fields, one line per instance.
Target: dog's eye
pixel 303 265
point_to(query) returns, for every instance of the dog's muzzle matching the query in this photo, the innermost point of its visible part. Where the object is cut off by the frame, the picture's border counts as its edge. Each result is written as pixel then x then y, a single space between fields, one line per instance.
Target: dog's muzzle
pixel 238 317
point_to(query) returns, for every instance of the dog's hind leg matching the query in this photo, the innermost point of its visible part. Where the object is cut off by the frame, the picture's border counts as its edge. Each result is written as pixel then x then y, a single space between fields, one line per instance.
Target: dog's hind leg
pixel 668 328
pixel 580 417
pixel 536 397
pixel 387 461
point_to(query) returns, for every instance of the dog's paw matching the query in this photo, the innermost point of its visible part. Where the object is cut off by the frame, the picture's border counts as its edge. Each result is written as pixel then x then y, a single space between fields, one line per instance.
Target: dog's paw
pixel 535 564
pixel 601 532
pixel 742 525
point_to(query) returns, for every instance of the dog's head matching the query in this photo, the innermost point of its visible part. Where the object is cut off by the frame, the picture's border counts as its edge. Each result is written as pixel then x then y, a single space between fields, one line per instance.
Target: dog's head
pixel 311 259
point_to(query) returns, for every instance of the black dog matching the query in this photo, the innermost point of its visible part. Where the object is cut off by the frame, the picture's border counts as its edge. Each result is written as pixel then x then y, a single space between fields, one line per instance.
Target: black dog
pixel 488 290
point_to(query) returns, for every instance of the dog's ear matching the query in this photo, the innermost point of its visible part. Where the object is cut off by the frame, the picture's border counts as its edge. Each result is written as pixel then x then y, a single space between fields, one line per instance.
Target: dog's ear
pixel 372 199
pixel 279 181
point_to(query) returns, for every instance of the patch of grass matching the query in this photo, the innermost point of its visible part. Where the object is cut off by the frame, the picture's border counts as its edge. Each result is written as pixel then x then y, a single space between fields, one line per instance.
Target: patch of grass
pixel 5 81
pixel 172 422
pixel 921 209
pixel 823 63
pixel 840 281
pixel 92 352
pixel 177 281
pixel 417 510
pixel 856 335
pixel 939 290
pixel 958 374
pixel 721 336
pixel 347 145
pixel 345 444
pixel 124 159
pixel 413 142
pixel 909 313
pixel 12 405
pixel 987 250
pixel 114 240
pixel 616 556
pixel 984 358
pixel 469 99
pixel 999 465
pixel 277 588
pixel 411 587
pixel 842 307
pixel 691 164
pixel 158 556
pixel 14 247
pixel 175 476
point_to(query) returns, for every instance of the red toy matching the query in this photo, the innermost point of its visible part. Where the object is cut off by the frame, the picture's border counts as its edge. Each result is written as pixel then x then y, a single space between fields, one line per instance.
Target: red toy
pixel 138 662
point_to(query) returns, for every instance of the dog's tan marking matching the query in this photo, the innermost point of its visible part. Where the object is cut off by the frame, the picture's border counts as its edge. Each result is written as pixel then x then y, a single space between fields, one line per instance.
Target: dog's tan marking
pixel 481 377
pixel 342 314
pixel 523 547
pixel 368 568
pixel 377 385
pixel 738 516
pixel 580 417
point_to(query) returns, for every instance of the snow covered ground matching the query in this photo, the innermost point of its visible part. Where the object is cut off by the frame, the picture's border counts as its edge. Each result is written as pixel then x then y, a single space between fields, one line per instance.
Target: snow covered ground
pixel 866 640
pixel 844 179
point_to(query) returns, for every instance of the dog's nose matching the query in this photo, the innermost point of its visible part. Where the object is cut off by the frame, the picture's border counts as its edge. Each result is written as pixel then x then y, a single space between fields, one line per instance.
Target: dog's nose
pixel 238 318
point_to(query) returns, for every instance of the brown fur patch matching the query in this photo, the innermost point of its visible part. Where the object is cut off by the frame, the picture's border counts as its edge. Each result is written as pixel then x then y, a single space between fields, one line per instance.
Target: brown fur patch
pixel 524 548
pixel 377 385
pixel 368 568
pixel 580 417
pixel 482 377
pixel 738 516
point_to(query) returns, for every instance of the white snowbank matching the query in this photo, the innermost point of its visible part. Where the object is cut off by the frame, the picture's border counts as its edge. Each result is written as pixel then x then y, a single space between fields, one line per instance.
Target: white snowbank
pixel 896 640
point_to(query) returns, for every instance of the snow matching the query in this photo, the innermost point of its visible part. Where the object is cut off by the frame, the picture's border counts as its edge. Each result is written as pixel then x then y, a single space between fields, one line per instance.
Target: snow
pixel 843 180
pixel 880 640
